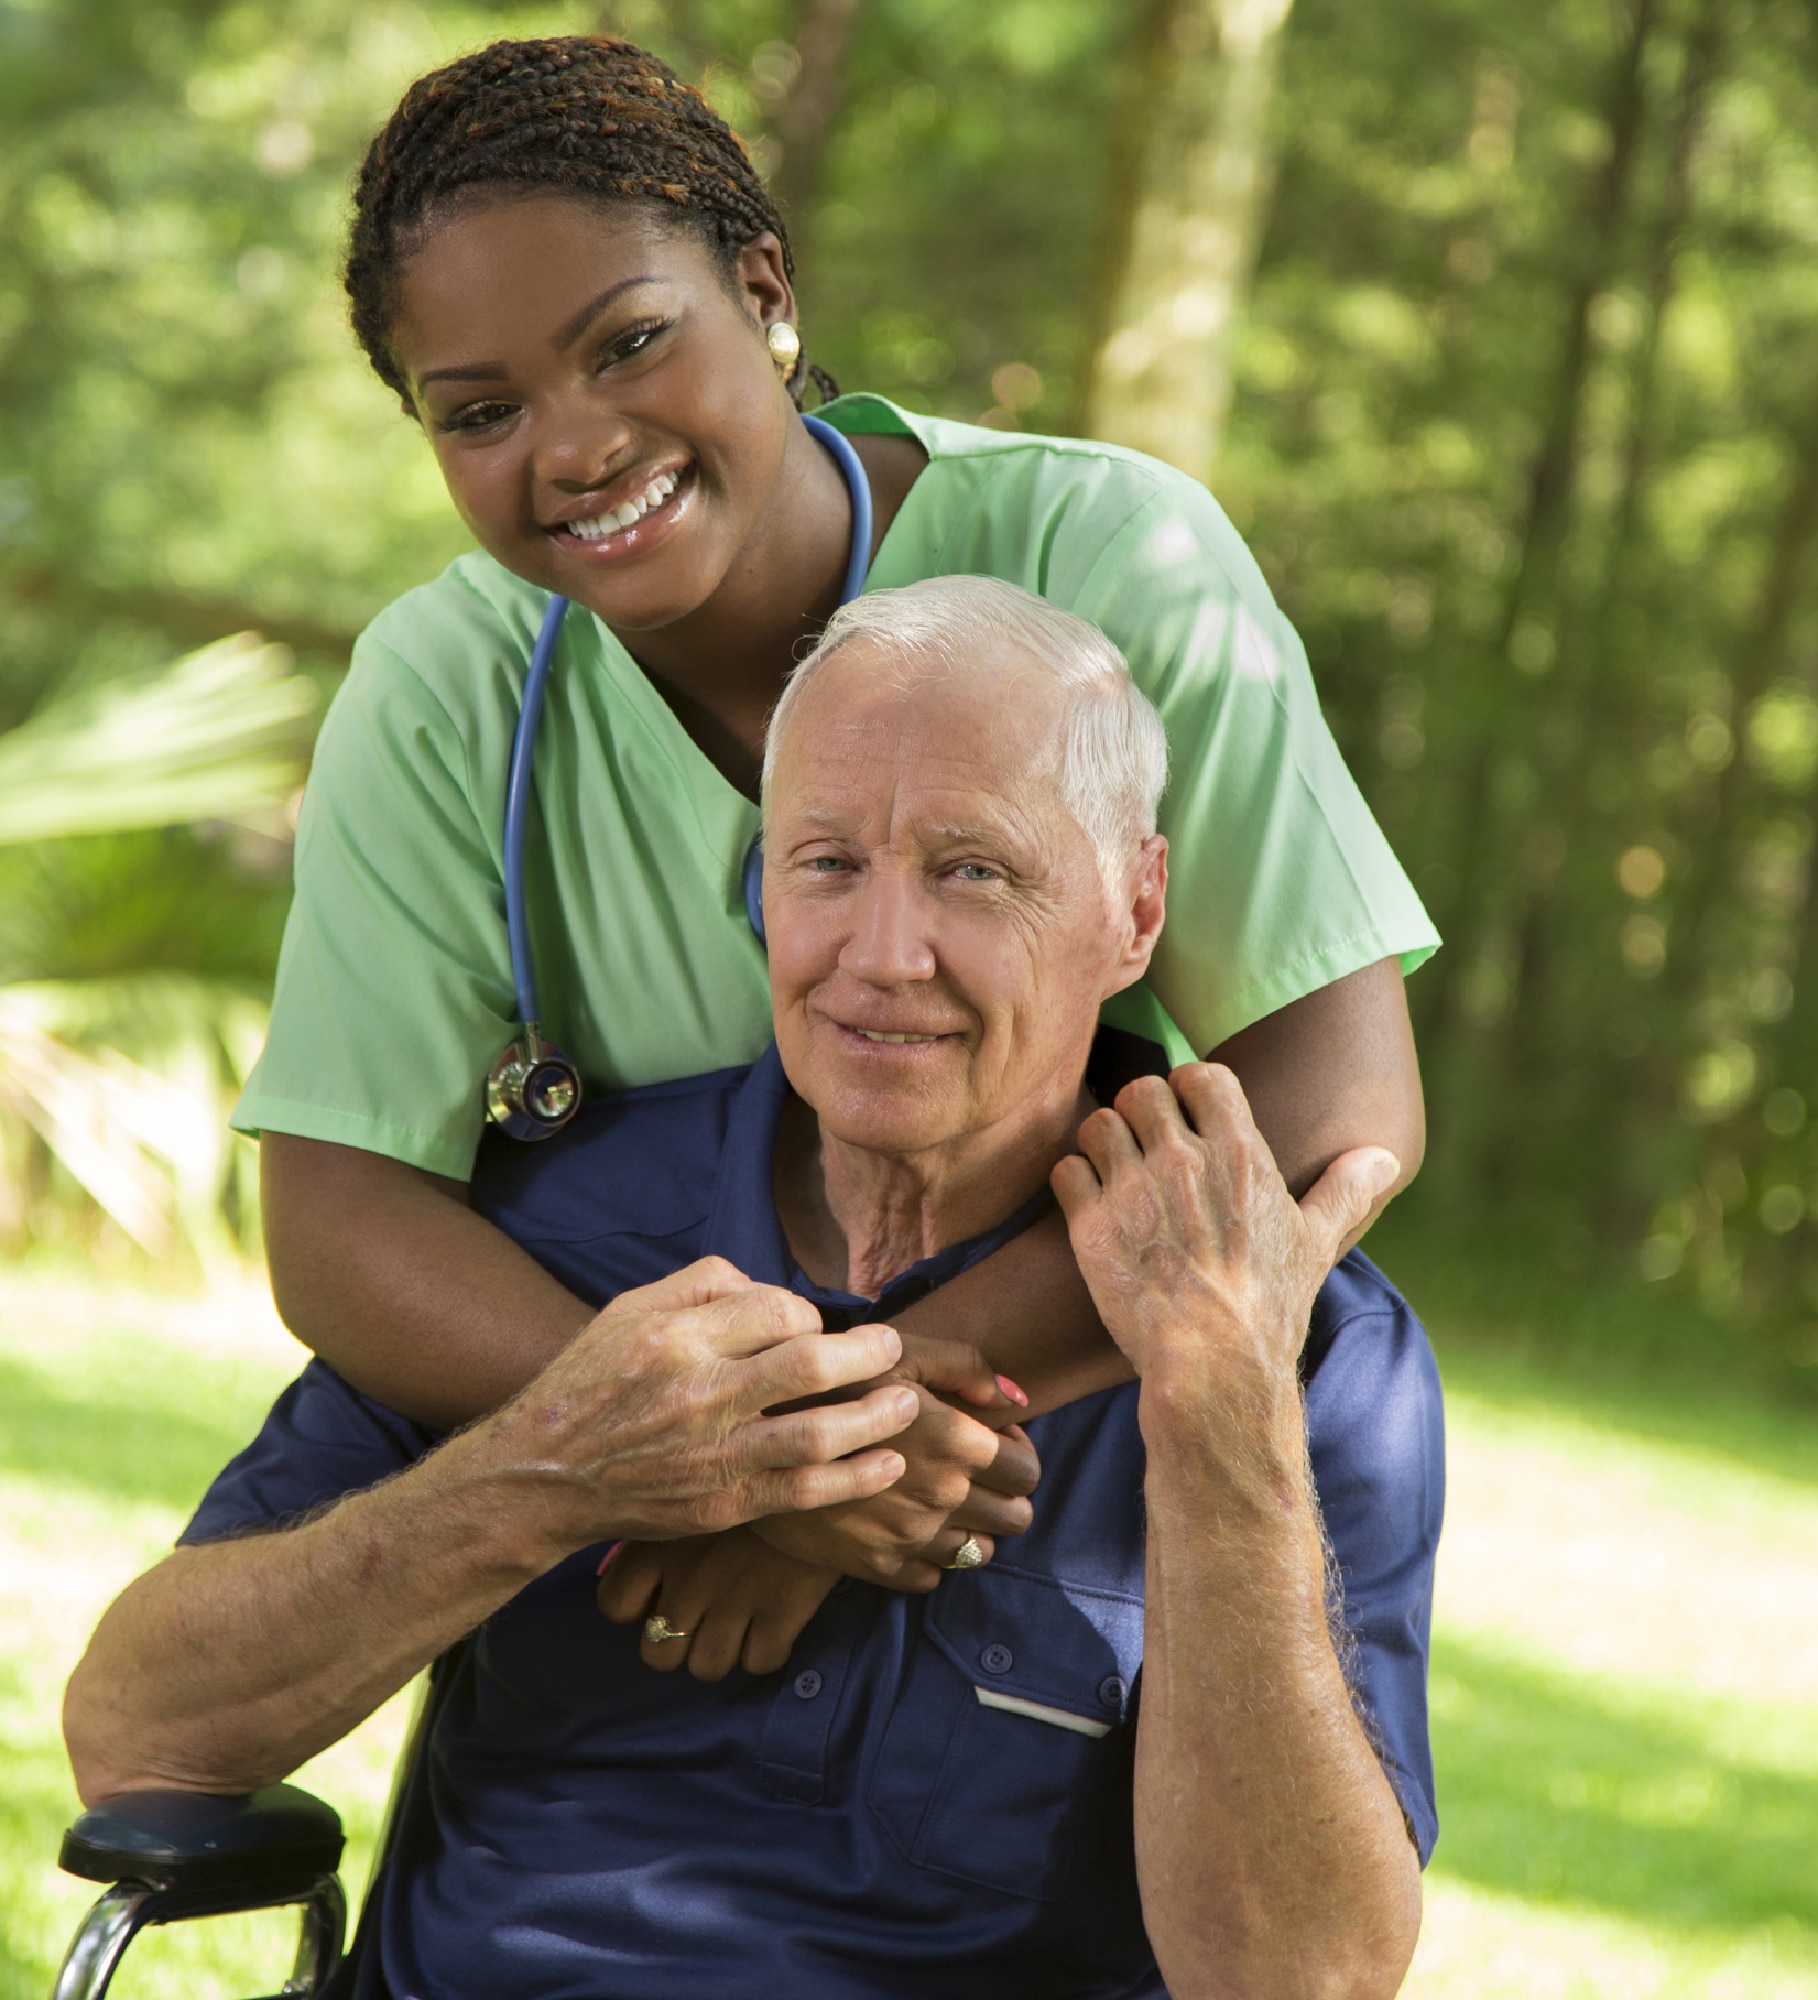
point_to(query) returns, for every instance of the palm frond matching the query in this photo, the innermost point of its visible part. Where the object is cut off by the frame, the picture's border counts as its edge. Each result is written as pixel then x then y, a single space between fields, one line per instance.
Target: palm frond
pixel 221 733
pixel 145 1137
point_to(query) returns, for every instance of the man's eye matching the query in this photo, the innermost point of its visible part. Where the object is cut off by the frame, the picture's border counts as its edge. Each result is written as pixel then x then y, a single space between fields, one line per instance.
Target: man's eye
pixel 828 864
pixel 977 871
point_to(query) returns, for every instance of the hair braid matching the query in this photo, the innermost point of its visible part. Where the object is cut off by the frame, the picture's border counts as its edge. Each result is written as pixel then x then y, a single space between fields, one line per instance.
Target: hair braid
pixel 582 114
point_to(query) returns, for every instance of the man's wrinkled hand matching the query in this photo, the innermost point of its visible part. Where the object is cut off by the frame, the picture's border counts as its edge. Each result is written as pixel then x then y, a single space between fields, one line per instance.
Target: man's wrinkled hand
pixel 1192 1246
pixel 661 1418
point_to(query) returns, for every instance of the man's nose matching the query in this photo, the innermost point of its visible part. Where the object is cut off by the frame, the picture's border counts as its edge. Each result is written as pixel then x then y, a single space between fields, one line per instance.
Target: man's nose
pixel 891 938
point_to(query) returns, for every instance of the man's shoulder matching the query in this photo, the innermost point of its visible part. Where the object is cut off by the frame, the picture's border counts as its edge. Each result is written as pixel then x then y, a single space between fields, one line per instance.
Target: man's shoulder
pixel 320 1440
pixel 629 1176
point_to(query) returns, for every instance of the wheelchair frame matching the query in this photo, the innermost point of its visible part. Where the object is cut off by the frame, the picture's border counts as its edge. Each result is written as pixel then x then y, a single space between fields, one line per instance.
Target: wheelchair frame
pixel 171 1857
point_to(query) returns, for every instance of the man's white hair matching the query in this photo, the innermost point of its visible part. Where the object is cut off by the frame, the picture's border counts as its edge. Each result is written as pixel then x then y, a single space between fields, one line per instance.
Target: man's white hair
pixel 1114 752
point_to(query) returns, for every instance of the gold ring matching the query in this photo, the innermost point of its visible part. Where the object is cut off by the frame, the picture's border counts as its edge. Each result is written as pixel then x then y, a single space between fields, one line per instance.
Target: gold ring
pixel 657 1628
pixel 968 1555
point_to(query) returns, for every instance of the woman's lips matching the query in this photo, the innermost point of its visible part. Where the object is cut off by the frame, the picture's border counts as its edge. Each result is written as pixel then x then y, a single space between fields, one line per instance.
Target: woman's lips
pixel 653 525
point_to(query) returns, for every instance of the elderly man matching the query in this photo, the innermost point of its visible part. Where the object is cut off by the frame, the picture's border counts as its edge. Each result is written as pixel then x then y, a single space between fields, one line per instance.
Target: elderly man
pixel 1142 1750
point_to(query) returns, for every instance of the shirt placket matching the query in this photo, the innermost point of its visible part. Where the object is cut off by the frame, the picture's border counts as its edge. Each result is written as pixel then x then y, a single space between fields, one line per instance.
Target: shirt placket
pixel 793 1753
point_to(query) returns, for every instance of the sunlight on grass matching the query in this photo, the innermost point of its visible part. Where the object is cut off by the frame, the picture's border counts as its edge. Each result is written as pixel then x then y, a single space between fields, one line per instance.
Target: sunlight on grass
pixel 115 1411
pixel 1624 1671
pixel 1625 1678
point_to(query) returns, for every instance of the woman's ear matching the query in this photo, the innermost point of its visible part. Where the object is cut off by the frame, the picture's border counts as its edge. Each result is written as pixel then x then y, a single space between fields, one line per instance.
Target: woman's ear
pixel 763 285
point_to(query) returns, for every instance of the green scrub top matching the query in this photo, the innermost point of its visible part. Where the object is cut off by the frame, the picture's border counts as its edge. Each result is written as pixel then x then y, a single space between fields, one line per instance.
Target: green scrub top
pixel 394 991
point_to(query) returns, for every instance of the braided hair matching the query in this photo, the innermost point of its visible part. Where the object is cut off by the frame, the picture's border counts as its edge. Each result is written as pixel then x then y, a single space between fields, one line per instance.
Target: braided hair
pixel 582 114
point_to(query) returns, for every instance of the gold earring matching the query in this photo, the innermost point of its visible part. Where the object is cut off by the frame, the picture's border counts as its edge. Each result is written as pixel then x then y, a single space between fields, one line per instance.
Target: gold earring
pixel 785 346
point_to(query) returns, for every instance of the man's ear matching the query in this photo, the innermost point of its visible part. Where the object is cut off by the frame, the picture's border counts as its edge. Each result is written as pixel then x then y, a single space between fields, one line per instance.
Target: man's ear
pixel 1143 911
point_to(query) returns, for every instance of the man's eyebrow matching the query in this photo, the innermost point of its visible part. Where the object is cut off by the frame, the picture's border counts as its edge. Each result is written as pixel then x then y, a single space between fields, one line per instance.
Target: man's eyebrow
pixel 566 335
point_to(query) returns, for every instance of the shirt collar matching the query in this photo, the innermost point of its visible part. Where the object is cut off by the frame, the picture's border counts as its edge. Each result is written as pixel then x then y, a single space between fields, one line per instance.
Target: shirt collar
pixel 745 1229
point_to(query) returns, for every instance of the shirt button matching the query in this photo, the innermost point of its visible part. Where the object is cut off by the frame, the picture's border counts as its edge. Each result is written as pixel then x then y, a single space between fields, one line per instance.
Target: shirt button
pixel 808 1685
pixel 1111 1691
pixel 997 1659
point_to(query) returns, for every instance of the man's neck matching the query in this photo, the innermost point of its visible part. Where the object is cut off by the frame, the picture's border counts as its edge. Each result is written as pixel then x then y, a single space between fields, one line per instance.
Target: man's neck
pixel 854 1219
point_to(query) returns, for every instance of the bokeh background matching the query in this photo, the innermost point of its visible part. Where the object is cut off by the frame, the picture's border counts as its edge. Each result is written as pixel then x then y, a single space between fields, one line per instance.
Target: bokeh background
pixel 1494 329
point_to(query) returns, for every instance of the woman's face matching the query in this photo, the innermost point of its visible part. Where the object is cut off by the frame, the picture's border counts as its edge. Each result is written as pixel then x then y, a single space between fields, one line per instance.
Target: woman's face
pixel 599 396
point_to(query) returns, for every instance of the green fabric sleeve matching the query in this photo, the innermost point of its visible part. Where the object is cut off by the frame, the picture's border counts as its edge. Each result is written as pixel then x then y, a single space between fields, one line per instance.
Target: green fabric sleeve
pixel 394 984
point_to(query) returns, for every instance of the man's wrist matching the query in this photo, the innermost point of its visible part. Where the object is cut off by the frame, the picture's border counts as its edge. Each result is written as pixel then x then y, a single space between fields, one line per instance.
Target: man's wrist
pixel 516 1517
pixel 1232 1429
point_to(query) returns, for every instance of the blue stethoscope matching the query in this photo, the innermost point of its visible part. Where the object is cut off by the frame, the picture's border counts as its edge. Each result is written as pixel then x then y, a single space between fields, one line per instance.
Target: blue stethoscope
pixel 534 1089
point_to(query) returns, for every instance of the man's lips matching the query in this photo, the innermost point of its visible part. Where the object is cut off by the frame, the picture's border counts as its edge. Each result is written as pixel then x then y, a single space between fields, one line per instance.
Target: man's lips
pixel 888 1038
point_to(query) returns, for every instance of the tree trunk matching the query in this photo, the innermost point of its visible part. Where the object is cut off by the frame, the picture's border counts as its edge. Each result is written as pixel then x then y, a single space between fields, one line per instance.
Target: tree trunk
pixel 1189 182
pixel 1493 899
pixel 802 119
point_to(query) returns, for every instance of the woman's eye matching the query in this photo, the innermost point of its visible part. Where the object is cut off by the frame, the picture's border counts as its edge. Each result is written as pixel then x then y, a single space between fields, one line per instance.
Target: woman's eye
pixel 632 341
pixel 478 417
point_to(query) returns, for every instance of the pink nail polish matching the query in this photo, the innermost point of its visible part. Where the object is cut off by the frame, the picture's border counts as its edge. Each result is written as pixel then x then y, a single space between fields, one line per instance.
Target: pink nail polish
pixel 606 1559
pixel 1013 1392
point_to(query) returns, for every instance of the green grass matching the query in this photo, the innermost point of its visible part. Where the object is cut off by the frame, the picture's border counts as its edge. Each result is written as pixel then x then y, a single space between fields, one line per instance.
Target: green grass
pixel 115 1411
pixel 1625 1683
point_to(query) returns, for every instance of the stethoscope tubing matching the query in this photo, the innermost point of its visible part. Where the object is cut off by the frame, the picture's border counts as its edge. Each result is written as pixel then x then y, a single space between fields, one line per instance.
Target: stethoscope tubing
pixel 530 712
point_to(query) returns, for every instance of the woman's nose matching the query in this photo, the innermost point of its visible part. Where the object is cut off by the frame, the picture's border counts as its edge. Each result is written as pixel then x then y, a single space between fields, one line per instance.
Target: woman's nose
pixel 891 940
pixel 578 448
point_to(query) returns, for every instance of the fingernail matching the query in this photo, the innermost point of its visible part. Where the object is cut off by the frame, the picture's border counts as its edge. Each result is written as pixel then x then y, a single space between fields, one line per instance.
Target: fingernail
pixel 606 1559
pixel 1385 1171
pixel 1013 1392
pixel 907 1405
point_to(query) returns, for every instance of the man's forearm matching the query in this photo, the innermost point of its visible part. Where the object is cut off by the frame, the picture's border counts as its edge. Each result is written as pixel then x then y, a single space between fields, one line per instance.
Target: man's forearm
pixel 232 1663
pixel 1271 1850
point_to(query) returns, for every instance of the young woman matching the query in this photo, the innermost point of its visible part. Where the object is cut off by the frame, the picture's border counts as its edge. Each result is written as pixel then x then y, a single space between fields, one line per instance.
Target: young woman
pixel 564 264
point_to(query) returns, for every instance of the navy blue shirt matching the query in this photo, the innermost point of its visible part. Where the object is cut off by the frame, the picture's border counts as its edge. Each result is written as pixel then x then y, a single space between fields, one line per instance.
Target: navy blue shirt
pixel 886 1817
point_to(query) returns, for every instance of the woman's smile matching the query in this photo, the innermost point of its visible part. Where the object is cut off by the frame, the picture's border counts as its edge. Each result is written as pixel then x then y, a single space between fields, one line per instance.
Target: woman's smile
pixel 645 512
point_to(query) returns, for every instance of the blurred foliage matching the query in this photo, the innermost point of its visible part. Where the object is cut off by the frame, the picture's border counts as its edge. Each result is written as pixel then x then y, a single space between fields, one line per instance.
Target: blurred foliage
pixel 1524 435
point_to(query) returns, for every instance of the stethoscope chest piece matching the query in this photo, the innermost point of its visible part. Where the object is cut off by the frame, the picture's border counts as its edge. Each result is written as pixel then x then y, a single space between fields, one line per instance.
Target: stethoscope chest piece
pixel 533 1089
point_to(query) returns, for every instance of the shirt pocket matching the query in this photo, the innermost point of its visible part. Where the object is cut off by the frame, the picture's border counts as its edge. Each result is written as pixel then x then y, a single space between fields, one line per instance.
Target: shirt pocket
pixel 987 1792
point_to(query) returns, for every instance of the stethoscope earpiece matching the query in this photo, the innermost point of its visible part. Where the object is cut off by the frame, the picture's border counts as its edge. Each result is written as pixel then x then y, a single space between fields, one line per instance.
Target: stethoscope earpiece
pixel 533 1089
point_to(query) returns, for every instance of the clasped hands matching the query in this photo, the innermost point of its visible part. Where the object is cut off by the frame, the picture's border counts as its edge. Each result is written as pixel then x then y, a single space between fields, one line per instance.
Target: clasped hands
pixel 742 1597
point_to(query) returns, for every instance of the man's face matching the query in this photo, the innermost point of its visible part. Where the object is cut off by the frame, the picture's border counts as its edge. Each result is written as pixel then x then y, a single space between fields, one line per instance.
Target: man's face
pixel 940 934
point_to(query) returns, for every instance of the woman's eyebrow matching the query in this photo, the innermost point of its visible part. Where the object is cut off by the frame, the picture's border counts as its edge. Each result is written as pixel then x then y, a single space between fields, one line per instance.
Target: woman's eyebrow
pixel 571 330
pixel 566 335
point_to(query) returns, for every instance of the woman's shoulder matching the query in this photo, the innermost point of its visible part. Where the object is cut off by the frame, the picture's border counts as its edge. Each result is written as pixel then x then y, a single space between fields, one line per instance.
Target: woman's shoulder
pixel 1057 514
pixel 1076 466
pixel 457 637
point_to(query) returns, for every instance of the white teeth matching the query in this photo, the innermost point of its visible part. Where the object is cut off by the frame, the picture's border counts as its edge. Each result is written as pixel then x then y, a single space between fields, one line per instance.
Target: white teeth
pixel 870 1036
pixel 633 511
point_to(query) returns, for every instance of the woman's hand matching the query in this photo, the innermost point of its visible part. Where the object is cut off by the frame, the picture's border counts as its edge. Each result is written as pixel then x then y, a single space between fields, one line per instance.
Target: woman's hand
pixel 739 1602
pixel 969 1471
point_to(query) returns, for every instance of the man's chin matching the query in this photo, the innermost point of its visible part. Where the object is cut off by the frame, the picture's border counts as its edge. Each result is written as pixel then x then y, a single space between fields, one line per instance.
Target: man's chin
pixel 884 1122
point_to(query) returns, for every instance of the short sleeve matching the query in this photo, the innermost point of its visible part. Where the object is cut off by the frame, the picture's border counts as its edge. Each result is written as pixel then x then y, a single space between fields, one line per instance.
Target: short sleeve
pixel 1280 880
pixel 321 1441
pixel 394 992
pixel 1376 1439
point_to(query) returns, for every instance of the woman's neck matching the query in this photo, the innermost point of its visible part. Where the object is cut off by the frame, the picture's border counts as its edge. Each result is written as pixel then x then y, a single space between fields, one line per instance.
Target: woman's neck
pixel 722 668
pixel 854 1218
